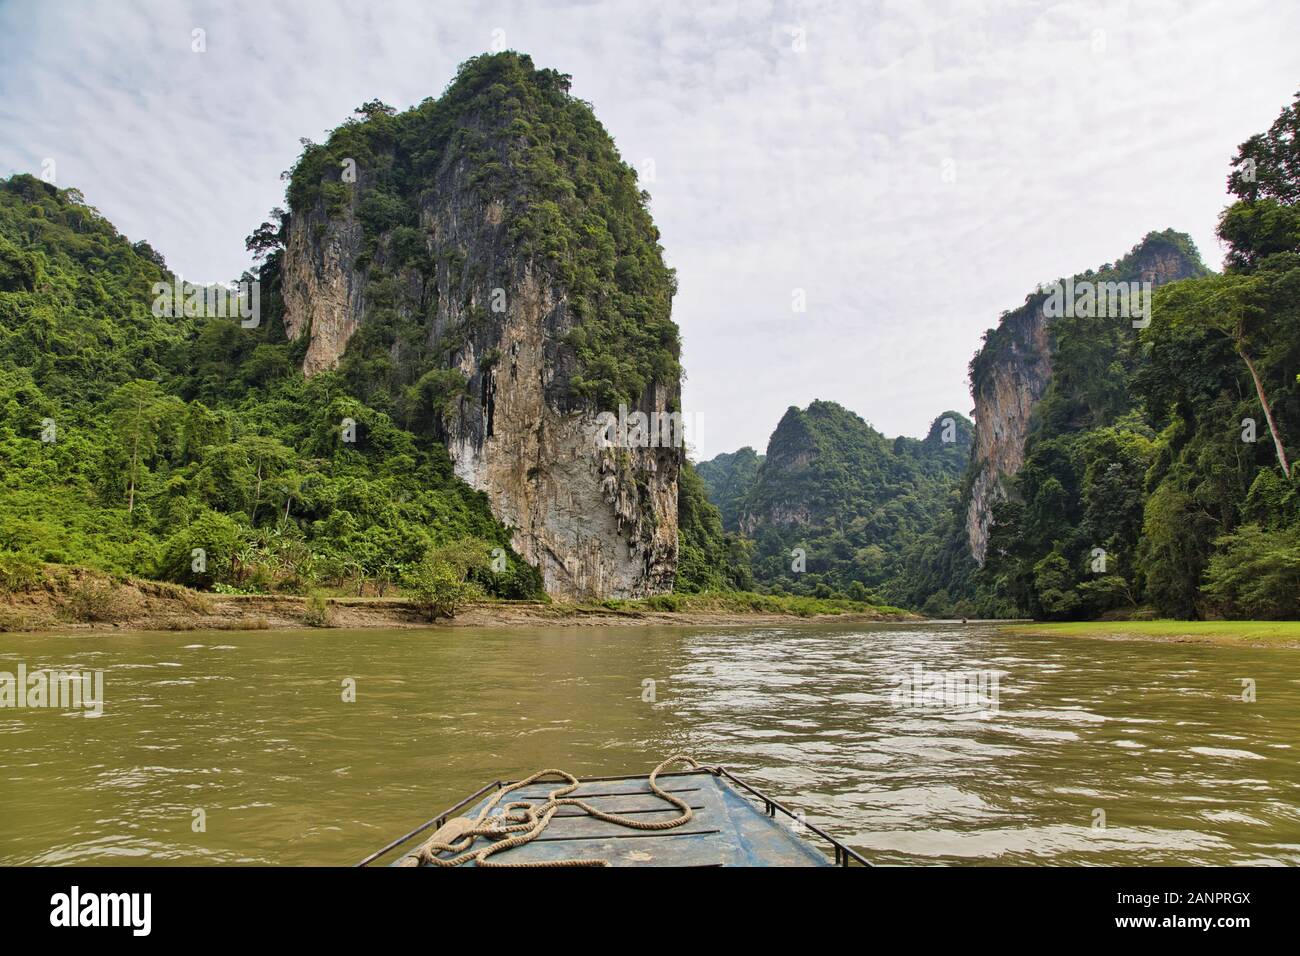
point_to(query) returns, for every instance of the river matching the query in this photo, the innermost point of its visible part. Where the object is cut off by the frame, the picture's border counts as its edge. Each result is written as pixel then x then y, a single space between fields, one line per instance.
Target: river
pixel 240 747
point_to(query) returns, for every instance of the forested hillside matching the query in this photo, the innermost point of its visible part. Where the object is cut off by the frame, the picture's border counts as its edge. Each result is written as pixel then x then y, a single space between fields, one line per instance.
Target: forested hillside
pixel 1041 373
pixel 729 477
pixel 1158 471
pixel 1154 473
pixel 127 440
pixel 834 506
pixel 1151 469
pixel 190 446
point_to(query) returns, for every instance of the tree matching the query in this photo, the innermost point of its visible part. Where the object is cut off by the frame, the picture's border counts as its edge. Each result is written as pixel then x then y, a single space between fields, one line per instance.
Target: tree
pixel 1175 547
pixel 1267 166
pixel 1255 573
pixel 203 552
pixel 434 395
pixel 269 459
pixel 1054 583
pixel 1256 230
pixel 1233 305
pixel 269 236
pixel 136 411
pixel 372 108
pixel 439 584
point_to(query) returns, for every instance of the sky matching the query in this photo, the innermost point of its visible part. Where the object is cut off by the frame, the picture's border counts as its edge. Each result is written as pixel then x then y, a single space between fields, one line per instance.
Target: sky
pixel 904 171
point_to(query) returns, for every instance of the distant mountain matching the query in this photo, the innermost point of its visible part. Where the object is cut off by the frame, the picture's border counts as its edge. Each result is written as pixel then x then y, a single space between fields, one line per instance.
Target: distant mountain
pixel 834 503
pixel 729 477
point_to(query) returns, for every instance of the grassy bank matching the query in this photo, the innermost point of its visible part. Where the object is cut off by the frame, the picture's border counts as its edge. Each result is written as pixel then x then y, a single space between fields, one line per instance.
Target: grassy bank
pixel 747 602
pixel 1240 633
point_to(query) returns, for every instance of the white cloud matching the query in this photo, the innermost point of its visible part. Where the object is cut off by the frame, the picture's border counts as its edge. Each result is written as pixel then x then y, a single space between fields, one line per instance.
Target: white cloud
pixel 1074 128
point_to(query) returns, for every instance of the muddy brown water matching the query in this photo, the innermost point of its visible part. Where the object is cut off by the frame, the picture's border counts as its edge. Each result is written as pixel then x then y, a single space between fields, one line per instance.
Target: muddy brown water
pixel 1022 750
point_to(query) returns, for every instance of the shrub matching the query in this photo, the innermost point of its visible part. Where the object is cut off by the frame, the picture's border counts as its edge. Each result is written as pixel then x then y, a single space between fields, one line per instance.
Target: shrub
pixel 218 538
pixel 1255 573
pixel 317 611
pixel 19 572
pixel 439 585
pixel 97 600
pixel 665 602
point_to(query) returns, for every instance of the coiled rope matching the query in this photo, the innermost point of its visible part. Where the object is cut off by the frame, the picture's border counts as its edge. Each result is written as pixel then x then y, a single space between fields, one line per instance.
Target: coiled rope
pixel 526 821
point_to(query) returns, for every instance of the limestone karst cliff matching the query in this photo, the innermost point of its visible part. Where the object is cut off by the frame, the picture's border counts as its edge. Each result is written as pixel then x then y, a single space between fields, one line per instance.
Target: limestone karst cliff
pixel 483 266
pixel 1012 371
pixel 1012 383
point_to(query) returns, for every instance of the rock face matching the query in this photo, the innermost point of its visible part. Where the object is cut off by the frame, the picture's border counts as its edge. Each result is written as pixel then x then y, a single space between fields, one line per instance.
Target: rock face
pixel 322 288
pixel 1004 401
pixel 598 521
pixel 1012 371
pixel 786 483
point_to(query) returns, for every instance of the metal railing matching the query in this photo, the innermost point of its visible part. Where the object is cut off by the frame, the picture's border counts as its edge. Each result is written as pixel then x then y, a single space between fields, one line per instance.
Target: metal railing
pixel 437 821
pixel 844 855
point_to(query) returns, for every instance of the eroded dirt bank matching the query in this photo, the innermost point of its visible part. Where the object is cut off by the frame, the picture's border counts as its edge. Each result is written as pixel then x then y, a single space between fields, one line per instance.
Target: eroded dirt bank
pixel 80 600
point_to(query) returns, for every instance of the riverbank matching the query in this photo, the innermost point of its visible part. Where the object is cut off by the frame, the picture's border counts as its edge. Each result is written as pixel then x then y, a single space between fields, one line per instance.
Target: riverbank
pixel 1225 633
pixel 76 599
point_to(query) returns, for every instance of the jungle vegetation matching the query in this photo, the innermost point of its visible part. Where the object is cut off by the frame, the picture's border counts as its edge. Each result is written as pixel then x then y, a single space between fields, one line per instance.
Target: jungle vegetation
pixel 1159 474
pixel 1159 477
pixel 130 443
pixel 835 509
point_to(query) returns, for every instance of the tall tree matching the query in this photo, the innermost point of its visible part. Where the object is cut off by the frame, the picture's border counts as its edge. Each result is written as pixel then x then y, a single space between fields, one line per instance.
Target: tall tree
pixel 1231 305
pixel 136 410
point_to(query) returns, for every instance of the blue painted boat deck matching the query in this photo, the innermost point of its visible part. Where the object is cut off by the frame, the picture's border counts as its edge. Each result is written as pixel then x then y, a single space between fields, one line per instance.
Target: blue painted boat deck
pixel 726 829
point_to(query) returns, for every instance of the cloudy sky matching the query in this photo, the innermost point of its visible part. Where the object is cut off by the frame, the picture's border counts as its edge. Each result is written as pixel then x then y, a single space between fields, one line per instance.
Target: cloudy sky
pixel 911 169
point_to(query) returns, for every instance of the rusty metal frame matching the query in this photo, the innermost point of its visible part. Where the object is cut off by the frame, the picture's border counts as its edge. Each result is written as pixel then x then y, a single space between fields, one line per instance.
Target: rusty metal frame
pixel 843 854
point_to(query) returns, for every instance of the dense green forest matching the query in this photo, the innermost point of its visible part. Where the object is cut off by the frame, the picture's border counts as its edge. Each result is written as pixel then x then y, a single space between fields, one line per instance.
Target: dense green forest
pixel 1158 471
pixel 834 507
pixel 729 477
pixel 128 441
pixel 709 558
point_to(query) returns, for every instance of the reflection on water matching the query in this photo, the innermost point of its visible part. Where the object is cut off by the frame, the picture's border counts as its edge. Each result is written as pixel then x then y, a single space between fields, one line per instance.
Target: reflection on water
pixel 1152 740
